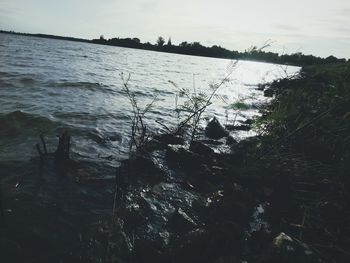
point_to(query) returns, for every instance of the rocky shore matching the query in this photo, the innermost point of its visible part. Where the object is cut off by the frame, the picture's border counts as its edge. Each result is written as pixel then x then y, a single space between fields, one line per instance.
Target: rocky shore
pixel 281 196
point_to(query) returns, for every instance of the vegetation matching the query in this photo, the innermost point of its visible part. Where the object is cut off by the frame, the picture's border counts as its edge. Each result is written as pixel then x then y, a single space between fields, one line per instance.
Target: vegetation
pixel 197 49
pixel 312 110
pixel 195 104
pixel 306 147
pixel 139 133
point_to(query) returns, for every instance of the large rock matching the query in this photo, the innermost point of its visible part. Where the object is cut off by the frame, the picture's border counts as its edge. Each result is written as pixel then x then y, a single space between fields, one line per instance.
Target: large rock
pixel 200 148
pixel 231 141
pixel 181 221
pixel 182 158
pixel 168 138
pixel 215 130
pixel 242 127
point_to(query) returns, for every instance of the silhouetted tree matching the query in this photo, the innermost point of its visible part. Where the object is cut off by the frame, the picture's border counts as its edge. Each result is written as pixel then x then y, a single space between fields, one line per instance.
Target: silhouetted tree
pixel 169 42
pixel 137 40
pixel 183 44
pixel 160 41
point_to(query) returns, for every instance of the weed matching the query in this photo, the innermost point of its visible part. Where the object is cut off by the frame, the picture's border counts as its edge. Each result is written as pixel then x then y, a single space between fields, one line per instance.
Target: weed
pixel 139 133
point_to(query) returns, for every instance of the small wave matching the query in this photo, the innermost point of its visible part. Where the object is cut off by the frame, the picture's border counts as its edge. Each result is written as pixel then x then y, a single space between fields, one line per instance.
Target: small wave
pixel 27 80
pixel 23 78
pixel 19 122
pixel 82 84
pixel 6 74
pixel 91 86
pixel 84 116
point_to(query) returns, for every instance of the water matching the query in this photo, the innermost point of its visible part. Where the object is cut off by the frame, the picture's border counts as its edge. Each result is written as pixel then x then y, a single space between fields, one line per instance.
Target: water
pixel 51 85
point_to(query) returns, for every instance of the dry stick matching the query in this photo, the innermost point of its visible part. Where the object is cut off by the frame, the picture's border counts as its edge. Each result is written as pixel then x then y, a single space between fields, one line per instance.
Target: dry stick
pixel 208 102
pixel 303 223
pixel 183 123
pixel 39 151
pixel 68 146
pixel 115 201
pixel 2 213
pixel 164 126
pixel 43 142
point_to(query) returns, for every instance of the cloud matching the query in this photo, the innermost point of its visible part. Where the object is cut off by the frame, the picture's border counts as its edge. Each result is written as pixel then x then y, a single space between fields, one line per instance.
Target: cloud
pixel 151 6
pixel 345 12
pixel 8 11
pixel 285 27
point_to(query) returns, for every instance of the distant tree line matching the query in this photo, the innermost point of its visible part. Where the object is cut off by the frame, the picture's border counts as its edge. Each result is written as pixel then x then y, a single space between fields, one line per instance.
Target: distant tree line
pixel 47 36
pixel 197 49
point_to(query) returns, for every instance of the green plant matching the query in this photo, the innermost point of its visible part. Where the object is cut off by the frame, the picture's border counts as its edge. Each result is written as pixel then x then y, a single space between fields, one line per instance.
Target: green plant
pixel 139 133
pixel 237 107
pixel 190 112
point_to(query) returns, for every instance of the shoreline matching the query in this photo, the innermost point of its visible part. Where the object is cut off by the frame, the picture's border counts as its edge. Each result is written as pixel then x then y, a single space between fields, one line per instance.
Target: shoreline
pixel 196 49
pixel 278 197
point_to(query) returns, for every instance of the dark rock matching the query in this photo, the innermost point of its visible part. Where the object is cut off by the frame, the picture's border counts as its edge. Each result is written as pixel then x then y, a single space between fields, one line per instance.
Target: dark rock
pixel 261 87
pixel 248 121
pixel 147 251
pixel 182 158
pixel 168 138
pixel 230 140
pixel 181 221
pixel 200 148
pixel 211 142
pixel 139 167
pixel 236 207
pixel 208 245
pixel 194 246
pixel 269 92
pixel 161 141
pixel 134 218
pixel 238 127
pixel 246 146
pixel 215 130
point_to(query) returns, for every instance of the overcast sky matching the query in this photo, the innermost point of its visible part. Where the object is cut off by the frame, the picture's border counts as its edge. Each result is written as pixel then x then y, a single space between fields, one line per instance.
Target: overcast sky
pixel 319 27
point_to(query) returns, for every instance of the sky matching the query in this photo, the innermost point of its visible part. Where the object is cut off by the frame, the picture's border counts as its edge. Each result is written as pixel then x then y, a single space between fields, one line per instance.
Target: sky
pixel 318 27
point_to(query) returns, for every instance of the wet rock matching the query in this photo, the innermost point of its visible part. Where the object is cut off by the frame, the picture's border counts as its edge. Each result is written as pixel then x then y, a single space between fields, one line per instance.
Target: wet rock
pixel 134 218
pixel 242 127
pixel 168 138
pixel 248 122
pixel 181 221
pixel 160 141
pixel 246 146
pixel 147 251
pixel 232 209
pixel 215 130
pixel 269 92
pixel 181 158
pixel 201 245
pixel 261 86
pixel 192 247
pixel 212 142
pixel 200 148
pixel 139 167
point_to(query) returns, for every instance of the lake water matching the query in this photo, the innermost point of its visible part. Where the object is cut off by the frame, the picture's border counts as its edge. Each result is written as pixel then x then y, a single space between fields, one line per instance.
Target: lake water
pixel 51 85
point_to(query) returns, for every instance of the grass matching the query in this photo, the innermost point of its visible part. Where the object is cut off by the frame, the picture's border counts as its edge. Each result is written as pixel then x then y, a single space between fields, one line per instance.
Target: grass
pixel 306 142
